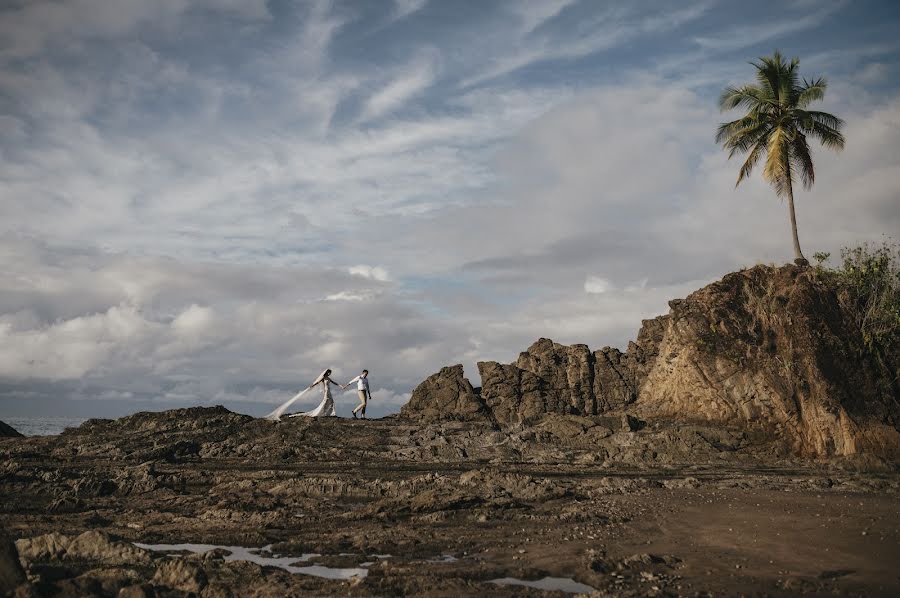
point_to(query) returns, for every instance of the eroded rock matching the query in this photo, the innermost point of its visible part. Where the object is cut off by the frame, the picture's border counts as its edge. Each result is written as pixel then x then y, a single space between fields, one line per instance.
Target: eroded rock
pixel 445 395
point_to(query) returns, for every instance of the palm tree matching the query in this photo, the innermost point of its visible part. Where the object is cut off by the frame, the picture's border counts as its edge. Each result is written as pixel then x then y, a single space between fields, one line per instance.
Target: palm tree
pixel 777 125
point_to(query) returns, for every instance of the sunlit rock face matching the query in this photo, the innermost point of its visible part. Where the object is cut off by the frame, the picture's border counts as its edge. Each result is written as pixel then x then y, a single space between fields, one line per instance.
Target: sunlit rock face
pixel 772 350
pixel 776 349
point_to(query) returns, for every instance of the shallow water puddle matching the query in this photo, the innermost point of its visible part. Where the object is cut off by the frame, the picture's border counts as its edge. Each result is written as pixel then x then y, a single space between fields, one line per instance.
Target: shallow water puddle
pixel 241 553
pixel 558 584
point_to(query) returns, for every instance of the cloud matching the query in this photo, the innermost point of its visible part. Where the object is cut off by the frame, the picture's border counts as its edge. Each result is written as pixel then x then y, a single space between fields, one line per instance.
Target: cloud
pixel 208 202
pixel 372 272
pixel 30 27
pixel 404 8
pixel 411 82
pixel 747 35
pixel 596 285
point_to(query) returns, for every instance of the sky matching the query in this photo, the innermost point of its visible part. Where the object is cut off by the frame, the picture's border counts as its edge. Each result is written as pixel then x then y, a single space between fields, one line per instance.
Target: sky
pixel 208 202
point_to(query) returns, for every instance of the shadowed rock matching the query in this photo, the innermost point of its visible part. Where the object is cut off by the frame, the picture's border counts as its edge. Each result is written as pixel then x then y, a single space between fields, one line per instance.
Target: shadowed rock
pixel 445 395
pixel 7 431
pixel 11 573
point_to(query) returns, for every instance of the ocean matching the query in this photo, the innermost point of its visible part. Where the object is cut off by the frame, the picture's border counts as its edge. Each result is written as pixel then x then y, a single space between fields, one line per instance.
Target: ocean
pixel 42 426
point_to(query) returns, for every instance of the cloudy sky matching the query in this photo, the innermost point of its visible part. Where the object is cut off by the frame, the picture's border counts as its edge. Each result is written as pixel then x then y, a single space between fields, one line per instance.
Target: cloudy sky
pixel 209 201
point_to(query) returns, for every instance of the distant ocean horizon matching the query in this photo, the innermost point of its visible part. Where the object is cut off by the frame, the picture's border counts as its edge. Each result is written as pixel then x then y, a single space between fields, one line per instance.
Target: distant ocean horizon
pixel 43 426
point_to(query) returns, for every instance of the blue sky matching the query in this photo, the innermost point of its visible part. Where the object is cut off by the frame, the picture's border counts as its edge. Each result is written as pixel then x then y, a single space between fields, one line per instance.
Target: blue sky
pixel 209 202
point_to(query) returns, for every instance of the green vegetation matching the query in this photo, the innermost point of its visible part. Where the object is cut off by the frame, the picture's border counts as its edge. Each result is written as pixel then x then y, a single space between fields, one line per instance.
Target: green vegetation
pixel 777 125
pixel 869 277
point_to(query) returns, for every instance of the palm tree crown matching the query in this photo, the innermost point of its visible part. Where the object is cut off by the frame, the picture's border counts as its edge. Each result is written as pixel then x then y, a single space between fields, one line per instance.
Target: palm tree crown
pixel 777 125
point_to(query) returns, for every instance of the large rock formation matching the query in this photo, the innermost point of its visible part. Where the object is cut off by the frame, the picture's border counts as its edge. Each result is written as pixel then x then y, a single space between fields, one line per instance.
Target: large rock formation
pixel 554 378
pixel 771 350
pixel 775 349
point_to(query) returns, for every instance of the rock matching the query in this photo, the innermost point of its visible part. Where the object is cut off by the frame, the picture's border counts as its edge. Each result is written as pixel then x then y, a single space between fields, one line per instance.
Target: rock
pixel 7 431
pixel 91 546
pixel 11 573
pixel 774 349
pixel 445 395
pixel 181 575
pixel 770 352
pixel 565 380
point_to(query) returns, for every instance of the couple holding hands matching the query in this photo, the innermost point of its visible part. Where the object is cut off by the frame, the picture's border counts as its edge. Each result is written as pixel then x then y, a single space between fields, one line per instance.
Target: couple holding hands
pixel 326 407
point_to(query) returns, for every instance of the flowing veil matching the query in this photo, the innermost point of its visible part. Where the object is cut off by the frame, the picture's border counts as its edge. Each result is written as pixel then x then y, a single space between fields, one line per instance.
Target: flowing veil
pixel 276 415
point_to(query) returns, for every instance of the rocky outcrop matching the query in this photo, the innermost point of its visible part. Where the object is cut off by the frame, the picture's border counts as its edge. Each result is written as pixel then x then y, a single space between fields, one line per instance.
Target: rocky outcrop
pixel 445 395
pixel 7 431
pixel 768 350
pixel 774 349
pixel 566 380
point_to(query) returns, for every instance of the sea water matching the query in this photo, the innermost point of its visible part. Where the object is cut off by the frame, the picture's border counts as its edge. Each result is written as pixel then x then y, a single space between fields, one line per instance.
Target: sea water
pixel 42 426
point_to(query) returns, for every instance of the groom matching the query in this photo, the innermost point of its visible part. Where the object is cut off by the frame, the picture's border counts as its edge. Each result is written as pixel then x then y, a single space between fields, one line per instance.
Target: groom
pixel 362 390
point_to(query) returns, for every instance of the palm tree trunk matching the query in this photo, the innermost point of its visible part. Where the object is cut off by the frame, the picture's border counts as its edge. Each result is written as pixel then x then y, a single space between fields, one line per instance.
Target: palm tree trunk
pixel 798 255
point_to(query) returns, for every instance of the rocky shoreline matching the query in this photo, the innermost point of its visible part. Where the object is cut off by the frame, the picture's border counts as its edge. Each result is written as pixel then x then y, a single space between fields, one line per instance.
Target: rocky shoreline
pixel 454 505
pixel 745 443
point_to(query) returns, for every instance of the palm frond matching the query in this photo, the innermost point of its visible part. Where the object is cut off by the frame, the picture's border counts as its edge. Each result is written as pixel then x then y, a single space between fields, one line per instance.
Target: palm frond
pixel 827 136
pixel 743 139
pixel 801 160
pixel 811 91
pixel 748 96
pixel 829 120
pixel 747 167
pixel 726 130
pixel 777 168
pixel 767 78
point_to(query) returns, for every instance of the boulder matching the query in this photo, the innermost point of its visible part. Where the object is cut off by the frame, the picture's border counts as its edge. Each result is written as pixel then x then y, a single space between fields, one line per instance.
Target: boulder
pixel 7 431
pixel 445 395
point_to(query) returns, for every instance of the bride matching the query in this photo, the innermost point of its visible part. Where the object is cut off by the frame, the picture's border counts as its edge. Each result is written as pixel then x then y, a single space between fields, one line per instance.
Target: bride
pixel 325 408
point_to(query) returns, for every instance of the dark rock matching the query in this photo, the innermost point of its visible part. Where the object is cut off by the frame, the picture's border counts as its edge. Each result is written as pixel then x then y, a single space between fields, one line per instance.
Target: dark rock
pixel 7 431
pixel 11 573
pixel 445 395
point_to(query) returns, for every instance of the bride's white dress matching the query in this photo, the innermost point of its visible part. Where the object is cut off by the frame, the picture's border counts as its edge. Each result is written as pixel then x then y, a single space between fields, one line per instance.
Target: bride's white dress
pixel 325 408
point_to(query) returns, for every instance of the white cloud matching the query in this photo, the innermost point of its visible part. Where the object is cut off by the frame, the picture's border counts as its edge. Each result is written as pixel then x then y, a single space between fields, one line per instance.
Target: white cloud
pixel 214 213
pixel 596 285
pixel 348 296
pixel 404 8
pixel 411 82
pixel 372 272
pixel 747 35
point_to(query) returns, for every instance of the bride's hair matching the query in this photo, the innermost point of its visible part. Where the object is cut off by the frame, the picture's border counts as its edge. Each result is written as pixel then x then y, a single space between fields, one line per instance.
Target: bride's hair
pixel 327 372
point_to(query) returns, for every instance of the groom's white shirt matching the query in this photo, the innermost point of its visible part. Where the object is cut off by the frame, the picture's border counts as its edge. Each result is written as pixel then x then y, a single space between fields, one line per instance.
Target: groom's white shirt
pixel 361 383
